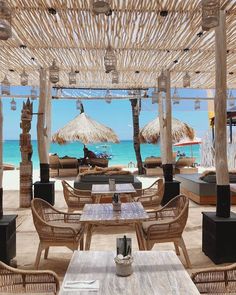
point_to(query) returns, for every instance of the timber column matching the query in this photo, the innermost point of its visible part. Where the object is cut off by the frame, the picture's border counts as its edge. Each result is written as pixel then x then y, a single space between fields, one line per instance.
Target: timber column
pixel 26 154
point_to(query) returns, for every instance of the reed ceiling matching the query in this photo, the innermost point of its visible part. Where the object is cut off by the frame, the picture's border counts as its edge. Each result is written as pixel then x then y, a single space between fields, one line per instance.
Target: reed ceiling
pixel 143 41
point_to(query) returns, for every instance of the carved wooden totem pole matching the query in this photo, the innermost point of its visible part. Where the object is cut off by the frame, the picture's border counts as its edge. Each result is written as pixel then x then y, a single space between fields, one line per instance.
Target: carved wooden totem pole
pixel 26 166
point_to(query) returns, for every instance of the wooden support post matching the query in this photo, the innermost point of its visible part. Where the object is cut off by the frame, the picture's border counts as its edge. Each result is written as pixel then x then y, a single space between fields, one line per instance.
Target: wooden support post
pixel 41 129
pixel 1 162
pixel 162 134
pixel 222 174
pixel 168 165
pixel 49 115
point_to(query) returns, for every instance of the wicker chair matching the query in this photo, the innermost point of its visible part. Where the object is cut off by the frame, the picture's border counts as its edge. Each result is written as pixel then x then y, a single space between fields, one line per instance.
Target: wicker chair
pixel 55 228
pixel 152 196
pixel 220 280
pixel 13 280
pixel 75 198
pixel 167 225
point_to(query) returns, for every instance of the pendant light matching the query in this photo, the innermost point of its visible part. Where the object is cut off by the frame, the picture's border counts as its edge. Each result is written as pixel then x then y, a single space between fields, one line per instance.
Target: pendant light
pixel 175 97
pixel 162 82
pixel 155 95
pixel 108 96
pixel 54 72
pixel 186 80
pixel 72 77
pixel 33 93
pixel 24 78
pixel 78 104
pixel 5 86
pixel 5 21
pixel 197 104
pixel 210 14
pixel 231 99
pixel 13 104
pixel 110 60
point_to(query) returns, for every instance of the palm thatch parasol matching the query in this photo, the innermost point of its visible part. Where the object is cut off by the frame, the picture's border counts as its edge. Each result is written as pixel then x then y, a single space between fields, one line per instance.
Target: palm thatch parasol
pixel 150 133
pixel 83 128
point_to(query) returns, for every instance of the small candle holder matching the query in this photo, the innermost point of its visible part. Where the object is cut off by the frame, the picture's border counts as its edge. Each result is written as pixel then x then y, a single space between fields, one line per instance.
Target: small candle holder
pixel 124 265
pixel 123 259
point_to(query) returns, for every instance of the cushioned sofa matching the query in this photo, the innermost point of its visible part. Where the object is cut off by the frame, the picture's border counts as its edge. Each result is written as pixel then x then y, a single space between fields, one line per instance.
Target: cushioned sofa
pixel 201 191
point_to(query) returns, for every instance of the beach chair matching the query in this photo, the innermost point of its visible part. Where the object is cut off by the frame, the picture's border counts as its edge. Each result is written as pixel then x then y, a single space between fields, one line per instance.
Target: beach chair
pixel 166 225
pixel 151 197
pixel 55 228
pixel 54 165
pixel 216 280
pixel 185 165
pixel 75 198
pixel 13 280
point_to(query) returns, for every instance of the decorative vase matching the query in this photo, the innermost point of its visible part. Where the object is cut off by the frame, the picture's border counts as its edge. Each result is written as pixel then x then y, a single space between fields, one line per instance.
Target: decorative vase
pixel 124 265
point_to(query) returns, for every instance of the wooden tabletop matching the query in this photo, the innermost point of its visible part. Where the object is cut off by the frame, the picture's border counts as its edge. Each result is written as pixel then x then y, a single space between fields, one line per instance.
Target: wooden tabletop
pixel 154 273
pixel 104 213
pixel 120 188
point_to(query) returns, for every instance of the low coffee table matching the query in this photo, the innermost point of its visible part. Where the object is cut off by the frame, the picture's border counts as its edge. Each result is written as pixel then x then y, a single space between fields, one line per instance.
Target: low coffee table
pixel 103 214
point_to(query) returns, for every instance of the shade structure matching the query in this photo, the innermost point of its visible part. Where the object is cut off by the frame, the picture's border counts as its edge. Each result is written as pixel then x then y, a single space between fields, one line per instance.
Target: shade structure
pixel 86 130
pixel 150 133
pixel 186 142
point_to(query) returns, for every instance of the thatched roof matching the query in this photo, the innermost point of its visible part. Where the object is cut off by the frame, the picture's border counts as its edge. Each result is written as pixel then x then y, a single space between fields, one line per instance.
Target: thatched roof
pixel 142 40
pixel 83 128
pixel 150 133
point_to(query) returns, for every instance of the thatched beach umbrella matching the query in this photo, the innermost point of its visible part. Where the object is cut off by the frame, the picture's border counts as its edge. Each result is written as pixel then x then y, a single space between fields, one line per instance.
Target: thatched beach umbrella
pixel 86 130
pixel 150 133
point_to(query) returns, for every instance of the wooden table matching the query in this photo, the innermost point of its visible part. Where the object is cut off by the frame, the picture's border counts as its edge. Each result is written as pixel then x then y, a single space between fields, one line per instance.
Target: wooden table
pixel 99 190
pixel 103 214
pixel 154 273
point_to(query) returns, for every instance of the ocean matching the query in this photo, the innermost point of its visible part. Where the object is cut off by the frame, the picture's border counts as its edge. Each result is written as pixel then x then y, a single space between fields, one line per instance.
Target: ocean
pixel 122 153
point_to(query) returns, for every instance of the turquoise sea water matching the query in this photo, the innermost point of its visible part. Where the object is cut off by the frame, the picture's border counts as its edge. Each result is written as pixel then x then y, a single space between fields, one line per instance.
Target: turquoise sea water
pixel 123 153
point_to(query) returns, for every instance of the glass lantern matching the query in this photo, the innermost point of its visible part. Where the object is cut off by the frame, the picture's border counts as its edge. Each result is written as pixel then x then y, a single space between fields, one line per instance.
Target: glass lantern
pixel 24 78
pixel 72 77
pixel 54 72
pixel 186 80
pixel 175 97
pixel 13 104
pixel 5 86
pixel 78 104
pixel 110 60
pixel 5 21
pixel 162 82
pixel 33 93
pixel 108 96
pixel 155 96
pixel 115 77
pixel 197 105
pixel 210 14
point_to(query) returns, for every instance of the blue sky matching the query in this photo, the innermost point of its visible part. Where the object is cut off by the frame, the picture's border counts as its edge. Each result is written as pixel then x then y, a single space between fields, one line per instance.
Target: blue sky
pixel 116 115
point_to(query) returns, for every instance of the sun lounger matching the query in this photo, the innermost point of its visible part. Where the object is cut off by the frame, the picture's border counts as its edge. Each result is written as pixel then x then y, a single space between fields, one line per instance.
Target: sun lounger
pixel 66 166
pixel 185 165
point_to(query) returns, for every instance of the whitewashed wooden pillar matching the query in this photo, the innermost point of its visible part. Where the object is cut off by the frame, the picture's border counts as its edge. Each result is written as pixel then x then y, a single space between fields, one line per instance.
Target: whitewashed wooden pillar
pixel 168 131
pixel 1 161
pixel 49 115
pixel 221 163
pixel 161 123
pixel 41 128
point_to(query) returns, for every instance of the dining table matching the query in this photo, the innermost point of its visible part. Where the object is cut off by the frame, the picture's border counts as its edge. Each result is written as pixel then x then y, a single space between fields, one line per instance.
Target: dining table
pixel 154 273
pixel 103 215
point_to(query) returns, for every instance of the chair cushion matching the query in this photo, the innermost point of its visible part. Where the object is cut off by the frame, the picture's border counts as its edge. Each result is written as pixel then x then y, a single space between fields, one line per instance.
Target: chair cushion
pixel 75 226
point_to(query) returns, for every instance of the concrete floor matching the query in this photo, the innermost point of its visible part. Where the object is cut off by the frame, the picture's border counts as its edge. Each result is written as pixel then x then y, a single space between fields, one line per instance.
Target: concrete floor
pixel 59 257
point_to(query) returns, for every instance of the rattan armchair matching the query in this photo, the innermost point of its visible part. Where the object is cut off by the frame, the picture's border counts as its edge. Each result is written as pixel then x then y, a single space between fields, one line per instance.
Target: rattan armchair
pixel 55 228
pixel 220 280
pixel 166 225
pixel 152 196
pixel 75 198
pixel 14 280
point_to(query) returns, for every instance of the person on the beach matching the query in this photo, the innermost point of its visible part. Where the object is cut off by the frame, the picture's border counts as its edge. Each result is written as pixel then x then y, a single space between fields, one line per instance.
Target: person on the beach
pixel 89 154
